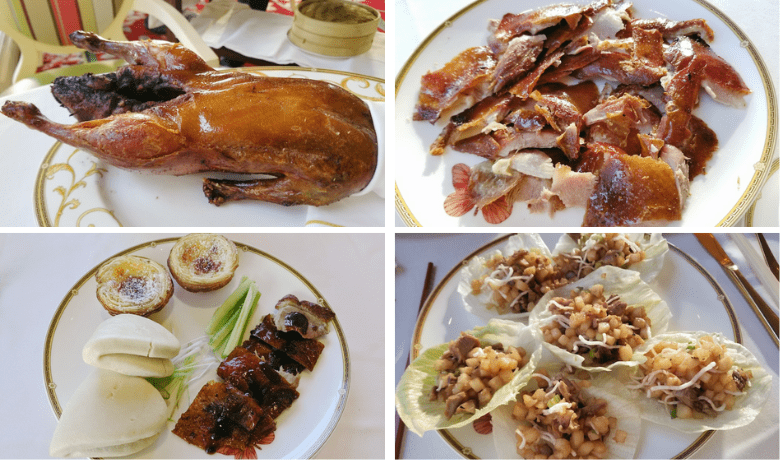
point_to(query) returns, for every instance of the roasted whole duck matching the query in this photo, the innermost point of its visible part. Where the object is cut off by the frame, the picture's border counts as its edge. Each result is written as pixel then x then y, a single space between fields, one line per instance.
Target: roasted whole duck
pixel 168 112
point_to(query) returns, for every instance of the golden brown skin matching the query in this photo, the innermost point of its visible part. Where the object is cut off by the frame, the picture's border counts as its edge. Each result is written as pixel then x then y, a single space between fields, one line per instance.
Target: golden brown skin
pixel 315 140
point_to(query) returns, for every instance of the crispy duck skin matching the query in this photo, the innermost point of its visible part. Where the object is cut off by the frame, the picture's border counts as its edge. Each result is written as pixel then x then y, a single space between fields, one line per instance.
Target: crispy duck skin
pixel 168 112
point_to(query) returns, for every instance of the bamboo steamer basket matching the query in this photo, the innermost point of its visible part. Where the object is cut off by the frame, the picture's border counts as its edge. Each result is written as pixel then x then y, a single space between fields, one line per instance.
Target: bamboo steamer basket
pixel 327 35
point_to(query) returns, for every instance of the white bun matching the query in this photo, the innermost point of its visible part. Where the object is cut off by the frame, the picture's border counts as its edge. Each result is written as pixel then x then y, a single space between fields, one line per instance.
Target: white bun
pixel 110 414
pixel 133 284
pixel 132 345
pixel 202 262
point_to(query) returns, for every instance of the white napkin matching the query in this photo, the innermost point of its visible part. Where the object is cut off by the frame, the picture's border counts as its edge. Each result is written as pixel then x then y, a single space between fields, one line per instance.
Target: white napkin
pixel 367 207
pixel 263 35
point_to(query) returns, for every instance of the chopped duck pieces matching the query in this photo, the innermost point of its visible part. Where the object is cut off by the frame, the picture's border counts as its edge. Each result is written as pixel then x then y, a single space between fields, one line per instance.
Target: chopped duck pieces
pixel 516 94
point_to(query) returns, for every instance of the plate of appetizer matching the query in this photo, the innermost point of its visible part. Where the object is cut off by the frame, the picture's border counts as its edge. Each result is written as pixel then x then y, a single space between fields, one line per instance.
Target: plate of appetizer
pixel 248 360
pixel 528 117
pixel 581 367
pixel 209 138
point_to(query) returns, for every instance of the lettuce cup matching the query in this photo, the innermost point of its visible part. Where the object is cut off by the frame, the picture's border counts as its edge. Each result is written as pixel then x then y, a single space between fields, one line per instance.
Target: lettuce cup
pixel 596 323
pixel 579 254
pixel 508 281
pixel 563 415
pixel 698 381
pixel 453 384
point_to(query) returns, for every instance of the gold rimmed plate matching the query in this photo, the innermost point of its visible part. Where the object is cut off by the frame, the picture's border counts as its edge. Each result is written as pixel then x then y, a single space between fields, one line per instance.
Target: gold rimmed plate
pixel 719 198
pixel 301 430
pixel 74 189
pixel 697 303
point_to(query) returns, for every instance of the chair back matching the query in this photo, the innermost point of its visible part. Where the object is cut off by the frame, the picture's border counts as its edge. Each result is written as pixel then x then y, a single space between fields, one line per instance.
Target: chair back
pixel 43 26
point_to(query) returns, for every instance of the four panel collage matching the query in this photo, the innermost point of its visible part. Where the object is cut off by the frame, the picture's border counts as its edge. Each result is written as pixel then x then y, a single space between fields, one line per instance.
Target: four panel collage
pixel 211 243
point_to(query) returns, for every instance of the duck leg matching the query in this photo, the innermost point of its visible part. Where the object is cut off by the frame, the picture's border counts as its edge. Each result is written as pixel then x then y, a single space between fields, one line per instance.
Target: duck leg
pixel 133 140
pixel 284 190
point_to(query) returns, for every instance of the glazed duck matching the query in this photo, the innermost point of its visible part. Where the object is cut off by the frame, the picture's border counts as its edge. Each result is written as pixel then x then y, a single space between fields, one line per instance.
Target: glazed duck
pixel 168 112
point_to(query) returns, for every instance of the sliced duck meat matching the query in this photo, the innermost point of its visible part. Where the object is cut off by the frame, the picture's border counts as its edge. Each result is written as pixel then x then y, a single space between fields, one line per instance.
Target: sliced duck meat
pixel 595 155
pixel 222 418
pixel 525 86
pixel 499 144
pixel 674 29
pixel 533 21
pixel 700 146
pixel 482 118
pixel 519 57
pixel 653 93
pixel 619 120
pixel 718 78
pixel 696 66
pixel 676 160
pixel 308 319
pixel 571 187
pixel 245 371
pixel 459 84
pixel 650 145
pixel 278 360
pixel 529 162
pixel 303 351
pixel 633 190
pixel 569 63
pixel 637 60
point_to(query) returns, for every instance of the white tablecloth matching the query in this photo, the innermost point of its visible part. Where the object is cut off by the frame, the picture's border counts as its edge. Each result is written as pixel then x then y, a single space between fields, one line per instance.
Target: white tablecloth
pixel 37 270
pixel 416 19
pixel 414 251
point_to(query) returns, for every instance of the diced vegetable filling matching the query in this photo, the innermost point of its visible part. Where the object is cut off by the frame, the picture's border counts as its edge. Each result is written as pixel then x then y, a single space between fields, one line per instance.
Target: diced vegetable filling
pixel 557 421
pixel 469 374
pixel 597 250
pixel 601 329
pixel 518 281
pixel 693 380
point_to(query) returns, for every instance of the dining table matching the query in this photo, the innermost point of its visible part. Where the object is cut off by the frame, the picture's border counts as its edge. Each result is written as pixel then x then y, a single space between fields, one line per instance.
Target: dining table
pixel 447 253
pixel 39 271
pixel 416 22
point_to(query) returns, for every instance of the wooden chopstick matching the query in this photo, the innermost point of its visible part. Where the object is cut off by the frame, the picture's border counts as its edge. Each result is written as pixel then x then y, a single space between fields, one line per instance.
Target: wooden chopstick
pixel 770 259
pixel 427 288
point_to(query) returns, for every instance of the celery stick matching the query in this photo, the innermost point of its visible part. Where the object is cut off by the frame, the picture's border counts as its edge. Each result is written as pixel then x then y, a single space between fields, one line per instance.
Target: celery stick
pixel 225 311
pixel 246 312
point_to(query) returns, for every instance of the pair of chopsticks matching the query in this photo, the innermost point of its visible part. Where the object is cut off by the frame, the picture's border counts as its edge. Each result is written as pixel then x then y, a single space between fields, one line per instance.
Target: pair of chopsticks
pixel 427 288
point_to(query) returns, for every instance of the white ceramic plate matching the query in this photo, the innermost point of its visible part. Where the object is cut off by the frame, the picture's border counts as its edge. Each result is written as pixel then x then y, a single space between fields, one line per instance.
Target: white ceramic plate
pixel 697 303
pixel 720 197
pixel 301 430
pixel 75 189
pixel 764 211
